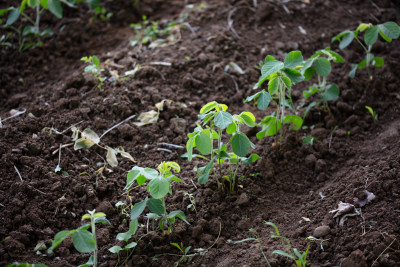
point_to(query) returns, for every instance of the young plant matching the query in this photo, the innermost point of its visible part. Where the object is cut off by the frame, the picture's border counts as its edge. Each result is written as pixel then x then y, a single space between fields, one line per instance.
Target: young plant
pixel 185 256
pixel 126 236
pixel 216 119
pixel 158 187
pixel 281 77
pixel 372 112
pixel 388 31
pixel 94 68
pixel 292 253
pixel 320 64
pixel 83 240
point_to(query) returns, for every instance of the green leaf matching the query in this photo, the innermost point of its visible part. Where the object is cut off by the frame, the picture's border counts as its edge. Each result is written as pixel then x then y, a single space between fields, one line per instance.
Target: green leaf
pixel 133 226
pixel 311 91
pixel 240 144
pixel 248 118
pixel 295 121
pixel 55 8
pixel 352 73
pixel 331 93
pixel 377 62
pixel 371 35
pixel 231 128
pixel 390 29
pixel 204 143
pixel 32 3
pixel 83 241
pixel 271 67
pixel 156 206
pixel 12 17
pixel 294 75
pixel 251 159
pixel 263 100
pixel 93 3
pixel 173 165
pixel 338 58
pixel 387 39
pixel 223 119
pixel 138 208
pixel 270 126
pixel 273 85
pixel 250 98
pixel 179 214
pixel 308 73
pixel 286 81
pixel 189 147
pixel 347 39
pixel 125 236
pixel 208 107
pixel 322 66
pixel 115 249
pixel 58 239
pixel 282 253
pixel 158 187
pixel 204 172
pixel 293 59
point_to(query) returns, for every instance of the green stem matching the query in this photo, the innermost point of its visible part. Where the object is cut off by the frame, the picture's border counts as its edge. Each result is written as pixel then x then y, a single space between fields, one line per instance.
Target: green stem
pixel 219 153
pixel 92 222
pixel 164 219
pixel 37 19
pixel 358 40
pixel 282 106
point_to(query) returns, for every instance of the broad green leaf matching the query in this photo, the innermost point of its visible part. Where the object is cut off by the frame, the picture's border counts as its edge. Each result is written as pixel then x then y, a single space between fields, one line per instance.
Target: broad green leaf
pixel 5 10
pixel 311 91
pixel 223 119
pixel 133 226
pixel 269 58
pixel 371 35
pixel 99 214
pixel 158 187
pixel 189 147
pixel 83 241
pixel 156 206
pixel 179 214
pixel 250 98
pixel 204 172
pixel 331 93
pixel 55 8
pixel 208 107
pixel 115 249
pixel 295 121
pixel 271 67
pixel 363 26
pixel 390 29
pixel 377 62
pixel 293 59
pixel 138 208
pixel 273 85
pixel 270 126
pixel 240 144
pixel 32 3
pixel 58 239
pixel 286 81
pixel 338 58
pixel 231 128
pixel 362 64
pixel 248 118
pixel 294 75
pixel 348 37
pixel 263 100
pixel 204 143
pixel 309 62
pixel 387 39
pixel 131 245
pixel 251 159
pixel 12 17
pixel 173 165
pixel 282 253
pixel 93 3
pixel 322 66
pixel 308 73
pixel 125 236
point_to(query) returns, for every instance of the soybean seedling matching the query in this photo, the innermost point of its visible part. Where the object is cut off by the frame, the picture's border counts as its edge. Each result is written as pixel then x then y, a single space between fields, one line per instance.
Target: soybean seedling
pixel 320 65
pixel 83 240
pixel 281 77
pixel 216 119
pixel 158 187
pixel 372 112
pixel 126 236
pixel 290 252
pixel 94 68
pixel 388 31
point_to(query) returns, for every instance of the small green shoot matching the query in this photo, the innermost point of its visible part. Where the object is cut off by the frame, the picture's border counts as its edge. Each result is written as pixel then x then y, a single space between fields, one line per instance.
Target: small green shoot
pixel 158 187
pixel 185 256
pixel 309 140
pixel 388 31
pixel 314 239
pixel 282 76
pixel 216 119
pixel 83 240
pixel 94 68
pixel 126 236
pixel 372 112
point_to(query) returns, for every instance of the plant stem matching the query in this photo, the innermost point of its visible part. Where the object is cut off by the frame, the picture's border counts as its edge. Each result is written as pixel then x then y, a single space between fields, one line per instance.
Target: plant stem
pixel 92 222
pixel 282 106
pixel 37 19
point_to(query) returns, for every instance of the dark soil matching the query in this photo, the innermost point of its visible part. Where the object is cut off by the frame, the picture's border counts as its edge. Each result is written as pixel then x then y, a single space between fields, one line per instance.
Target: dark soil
pixel 293 186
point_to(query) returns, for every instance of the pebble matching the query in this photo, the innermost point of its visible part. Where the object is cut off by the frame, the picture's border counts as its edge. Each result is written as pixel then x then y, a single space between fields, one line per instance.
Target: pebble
pixel 321 231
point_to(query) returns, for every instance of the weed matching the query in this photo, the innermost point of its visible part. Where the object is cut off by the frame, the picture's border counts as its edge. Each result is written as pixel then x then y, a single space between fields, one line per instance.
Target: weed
pixel 320 64
pixel 281 76
pixel 372 112
pixel 94 68
pixel 388 31
pixel 185 256
pixel 158 187
pixel 17 264
pixel 216 119
pixel 83 240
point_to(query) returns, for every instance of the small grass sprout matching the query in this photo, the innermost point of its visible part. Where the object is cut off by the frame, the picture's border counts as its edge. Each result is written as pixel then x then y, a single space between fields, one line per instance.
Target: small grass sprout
pixel 388 31
pixel 83 240
pixel 281 77
pixel 158 187
pixel 372 112
pixel 215 118
pixel 94 68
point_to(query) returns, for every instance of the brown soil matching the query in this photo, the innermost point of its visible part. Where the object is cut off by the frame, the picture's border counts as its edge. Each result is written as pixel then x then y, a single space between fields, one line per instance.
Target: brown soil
pixel 285 187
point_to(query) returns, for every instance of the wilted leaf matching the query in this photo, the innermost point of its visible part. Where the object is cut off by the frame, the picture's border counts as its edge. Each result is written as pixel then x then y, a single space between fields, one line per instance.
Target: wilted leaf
pixel 160 105
pixel 112 157
pixel 146 118
pixel 124 154
pixel 90 134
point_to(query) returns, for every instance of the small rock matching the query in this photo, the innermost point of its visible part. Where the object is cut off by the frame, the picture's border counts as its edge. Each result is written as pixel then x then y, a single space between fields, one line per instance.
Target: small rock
pixel 244 224
pixel 56 186
pixel 356 259
pixel 106 208
pixel 243 200
pixel 310 160
pixel 178 125
pixel 321 231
